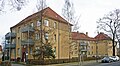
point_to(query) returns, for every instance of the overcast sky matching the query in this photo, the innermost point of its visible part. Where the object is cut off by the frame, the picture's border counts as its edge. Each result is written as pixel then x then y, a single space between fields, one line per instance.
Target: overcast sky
pixel 89 10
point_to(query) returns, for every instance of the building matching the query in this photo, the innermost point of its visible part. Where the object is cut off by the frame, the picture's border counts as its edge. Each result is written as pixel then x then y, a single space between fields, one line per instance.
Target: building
pixel 100 45
pixel 80 44
pixel 46 26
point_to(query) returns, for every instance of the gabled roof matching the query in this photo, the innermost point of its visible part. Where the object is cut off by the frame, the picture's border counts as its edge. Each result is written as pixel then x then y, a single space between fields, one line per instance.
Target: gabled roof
pixel 80 36
pixel 47 12
pixel 102 36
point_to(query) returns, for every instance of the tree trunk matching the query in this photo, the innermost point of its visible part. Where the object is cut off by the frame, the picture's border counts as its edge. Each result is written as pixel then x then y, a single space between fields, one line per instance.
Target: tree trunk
pixel 119 49
pixel 113 42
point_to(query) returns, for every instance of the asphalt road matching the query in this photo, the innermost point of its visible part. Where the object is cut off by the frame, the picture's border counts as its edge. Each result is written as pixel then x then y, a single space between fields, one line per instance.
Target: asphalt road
pixel 105 64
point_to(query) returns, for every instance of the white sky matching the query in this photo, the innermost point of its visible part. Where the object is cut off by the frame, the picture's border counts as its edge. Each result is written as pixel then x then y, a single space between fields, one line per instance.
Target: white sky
pixel 89 10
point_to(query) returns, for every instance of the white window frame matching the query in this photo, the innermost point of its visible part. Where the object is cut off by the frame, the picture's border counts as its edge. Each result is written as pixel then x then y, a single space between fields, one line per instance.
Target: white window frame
pixel 30 50
pixel 38 23
pixel 55 25
pixel 46 22
pixel 55 38
pixel 46 35
pixel 32 25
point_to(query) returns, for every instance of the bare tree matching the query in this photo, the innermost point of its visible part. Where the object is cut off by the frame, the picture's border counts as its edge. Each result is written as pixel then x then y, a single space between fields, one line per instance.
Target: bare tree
pixel 110 23
pixel 41 4
pixel 2 4
pixel 68 13
pixel 12 4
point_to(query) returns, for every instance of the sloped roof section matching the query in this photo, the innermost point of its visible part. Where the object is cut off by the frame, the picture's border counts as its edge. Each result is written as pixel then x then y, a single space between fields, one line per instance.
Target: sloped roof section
pixel 102 36
pixel 80 36
pixel 47 12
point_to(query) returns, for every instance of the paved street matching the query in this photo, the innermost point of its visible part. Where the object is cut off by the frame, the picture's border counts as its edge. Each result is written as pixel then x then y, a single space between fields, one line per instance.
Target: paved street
pixel 109 64
pixel 87 63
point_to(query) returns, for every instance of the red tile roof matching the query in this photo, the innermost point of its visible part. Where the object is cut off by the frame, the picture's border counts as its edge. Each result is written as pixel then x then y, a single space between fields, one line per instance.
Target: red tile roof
pixel 102 36
pixel 47 12
pixel 82 36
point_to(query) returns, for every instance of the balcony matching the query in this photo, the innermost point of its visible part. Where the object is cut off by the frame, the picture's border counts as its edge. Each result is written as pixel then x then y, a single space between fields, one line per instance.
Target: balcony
pixel 84 50
pixel 27 42
pixel 27 29
pixel 10 46
pixel 83 44
pixel 10 35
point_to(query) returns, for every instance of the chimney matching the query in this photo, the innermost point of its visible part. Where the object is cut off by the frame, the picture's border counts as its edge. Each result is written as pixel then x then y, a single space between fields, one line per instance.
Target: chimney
pixel 98 33
pixel 87 33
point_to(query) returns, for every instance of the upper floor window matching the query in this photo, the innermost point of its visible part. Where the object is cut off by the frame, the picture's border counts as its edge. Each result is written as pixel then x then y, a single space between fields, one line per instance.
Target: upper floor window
pixel 38 23
pixel 55 25
pixel 30 51
pixel 18 29
pixel 32 24
pixel 46 22
pixel 55 37
pixel 18 40
pixel 46 36
pixel 18 50
pixel 37 36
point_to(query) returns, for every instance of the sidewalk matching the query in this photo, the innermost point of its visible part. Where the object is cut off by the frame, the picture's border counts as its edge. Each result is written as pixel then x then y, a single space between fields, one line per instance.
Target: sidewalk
pixel 85 63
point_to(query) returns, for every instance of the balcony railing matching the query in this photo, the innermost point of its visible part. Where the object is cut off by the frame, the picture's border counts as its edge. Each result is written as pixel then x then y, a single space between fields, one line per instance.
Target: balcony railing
pixel 83 49
pixel 27 28
pixel 83 44
pixel 27 42
pixel 10 35
pixel 10 46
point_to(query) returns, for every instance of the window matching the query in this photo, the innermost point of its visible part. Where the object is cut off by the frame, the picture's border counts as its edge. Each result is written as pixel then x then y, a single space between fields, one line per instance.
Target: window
pixel 54 50
pixel 92 52
pixel 88 52
pixel 55 25
pixel 92 47
pixel 18 50
pixel 46 36
pixel 30 50
pixel 37 36
pixel 55 37
pixel 32 24
pixel 46 22
pixel 18 29
pixel 18 40
pixel 38 23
